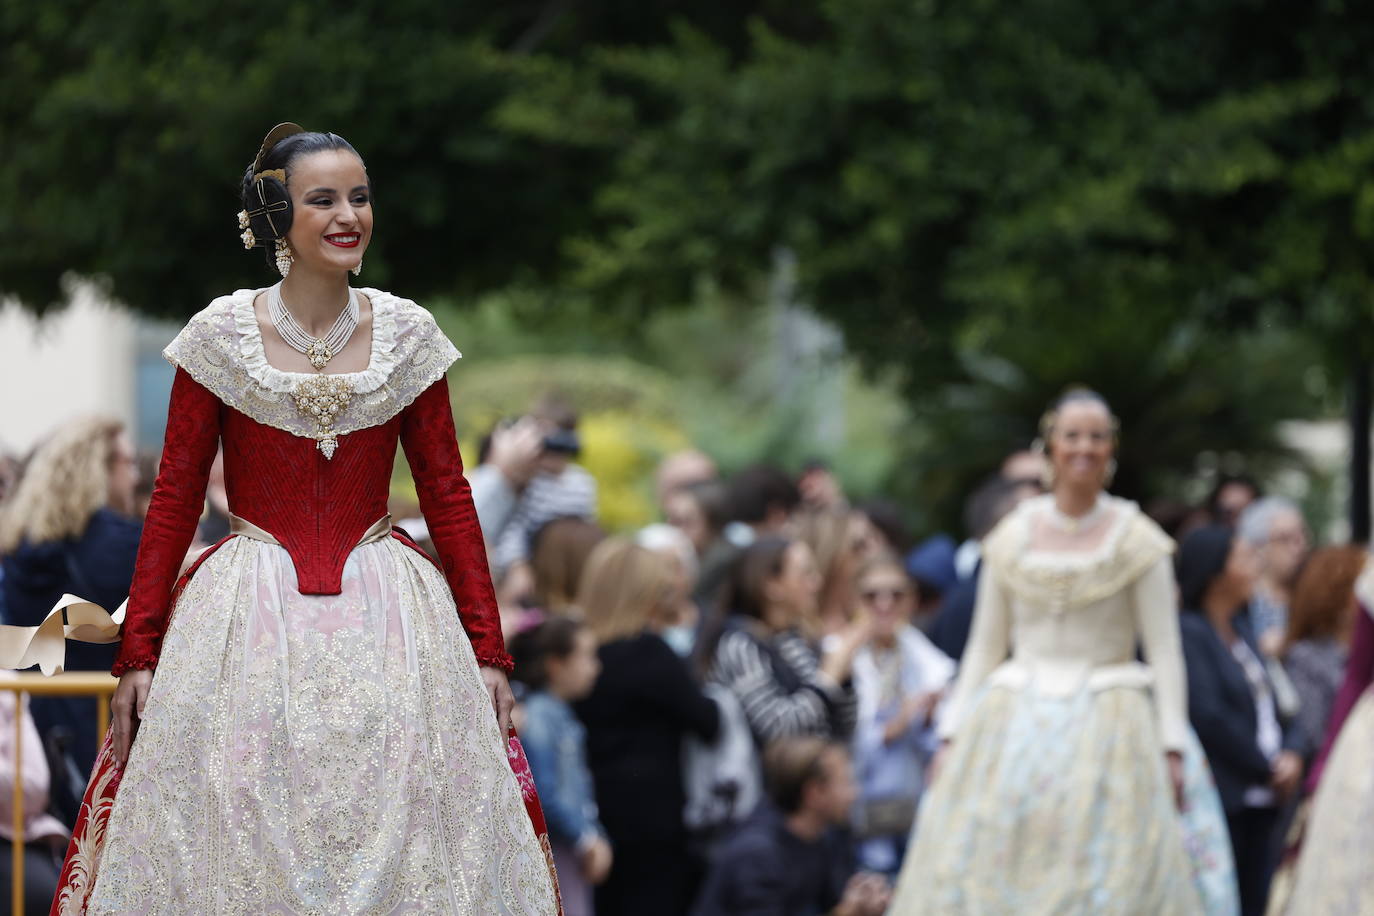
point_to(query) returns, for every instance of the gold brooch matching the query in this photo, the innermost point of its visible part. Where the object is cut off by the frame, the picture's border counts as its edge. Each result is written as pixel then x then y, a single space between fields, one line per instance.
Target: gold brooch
pixel 320 398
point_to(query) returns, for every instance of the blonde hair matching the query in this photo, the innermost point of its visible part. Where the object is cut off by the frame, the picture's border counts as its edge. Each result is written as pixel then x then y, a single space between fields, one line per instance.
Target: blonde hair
pixel 65 482
pixel 624 588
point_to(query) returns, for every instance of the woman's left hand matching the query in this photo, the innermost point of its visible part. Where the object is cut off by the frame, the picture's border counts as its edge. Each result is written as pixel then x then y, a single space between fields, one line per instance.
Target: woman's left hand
pixel 1175 761
pixel 502 700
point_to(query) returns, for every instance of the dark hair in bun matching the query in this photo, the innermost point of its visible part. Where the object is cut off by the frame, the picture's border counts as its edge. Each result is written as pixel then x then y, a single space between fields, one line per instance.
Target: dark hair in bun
pixel 281 156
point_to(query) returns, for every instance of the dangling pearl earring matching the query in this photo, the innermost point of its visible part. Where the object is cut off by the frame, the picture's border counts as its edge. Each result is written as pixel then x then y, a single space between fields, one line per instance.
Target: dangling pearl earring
pixel 284 257
pixel 357 271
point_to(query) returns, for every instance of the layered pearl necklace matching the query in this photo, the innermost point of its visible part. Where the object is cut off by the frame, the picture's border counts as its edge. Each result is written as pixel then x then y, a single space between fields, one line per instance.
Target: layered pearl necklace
pixel 319 350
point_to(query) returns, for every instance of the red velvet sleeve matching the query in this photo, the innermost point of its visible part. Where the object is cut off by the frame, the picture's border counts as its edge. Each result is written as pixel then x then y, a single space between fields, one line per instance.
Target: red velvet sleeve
pixel 188 451
pixel 431 447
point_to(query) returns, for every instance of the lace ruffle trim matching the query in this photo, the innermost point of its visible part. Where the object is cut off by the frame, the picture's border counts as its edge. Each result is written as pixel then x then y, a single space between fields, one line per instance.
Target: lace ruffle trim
pixel 1062 580
pixel 221 348
pixel 381 361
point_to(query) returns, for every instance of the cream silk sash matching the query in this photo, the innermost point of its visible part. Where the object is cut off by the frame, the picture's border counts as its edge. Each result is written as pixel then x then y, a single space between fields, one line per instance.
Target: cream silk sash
pixel 46 644
pixel 76 618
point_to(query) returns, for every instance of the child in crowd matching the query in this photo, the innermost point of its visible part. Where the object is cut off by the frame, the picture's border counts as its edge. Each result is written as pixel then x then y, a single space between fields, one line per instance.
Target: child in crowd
pixel 557 662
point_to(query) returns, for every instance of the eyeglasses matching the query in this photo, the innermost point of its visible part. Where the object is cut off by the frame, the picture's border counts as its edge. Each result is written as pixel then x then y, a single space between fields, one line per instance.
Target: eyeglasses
pixel 871 595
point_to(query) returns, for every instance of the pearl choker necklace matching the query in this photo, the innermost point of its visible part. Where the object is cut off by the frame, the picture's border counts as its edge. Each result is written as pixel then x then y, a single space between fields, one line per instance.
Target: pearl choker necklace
pixel 319 350
pixel 1074 524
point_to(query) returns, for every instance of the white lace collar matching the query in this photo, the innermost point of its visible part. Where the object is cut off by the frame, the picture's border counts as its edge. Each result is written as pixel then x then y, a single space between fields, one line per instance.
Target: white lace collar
pixel 380 363
pixel 1061 580
pixel 221 348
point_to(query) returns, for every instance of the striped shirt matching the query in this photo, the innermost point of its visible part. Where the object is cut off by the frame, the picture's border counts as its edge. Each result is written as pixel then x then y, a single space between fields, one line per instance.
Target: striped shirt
pixel 571 494
pixel 812 704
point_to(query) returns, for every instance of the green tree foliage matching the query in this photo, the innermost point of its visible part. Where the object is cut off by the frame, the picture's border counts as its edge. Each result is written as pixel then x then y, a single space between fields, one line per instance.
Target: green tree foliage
pixel 1129 197
pixel 1104 192
pixel 126 127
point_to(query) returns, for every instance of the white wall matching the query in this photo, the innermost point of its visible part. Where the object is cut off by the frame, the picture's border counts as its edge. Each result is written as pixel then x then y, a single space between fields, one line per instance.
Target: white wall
pixel 76 361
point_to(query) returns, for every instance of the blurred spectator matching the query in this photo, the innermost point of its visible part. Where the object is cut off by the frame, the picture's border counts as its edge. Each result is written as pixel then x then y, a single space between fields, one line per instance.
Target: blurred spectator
pixel 1177 518
pixel 1026 466
pixel 1319 630
pixel 701 511
pixel 517 494
pixel 881 528
pixel 1274 527
pixel 66 529
pixel 819 487
pixel 643 705
pixel 146 464
pixel 1231 702
pixel 675 547
pixel 988 505
pixel 931 565
pixel 507 460
pixel 557 662
pixel 9 473
pixel 763 499
pixel 832 536
pixel 792 858
pixel 680 470
pixel 559 556
pixel 784 685
pixel 44 838
pixel 1315 652
pixel 214 524
pixel 899 677
pixel 1230 497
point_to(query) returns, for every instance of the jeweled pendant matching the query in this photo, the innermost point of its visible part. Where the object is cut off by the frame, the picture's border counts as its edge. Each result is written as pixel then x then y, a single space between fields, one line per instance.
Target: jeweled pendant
pixel 319 354
pixel 328 445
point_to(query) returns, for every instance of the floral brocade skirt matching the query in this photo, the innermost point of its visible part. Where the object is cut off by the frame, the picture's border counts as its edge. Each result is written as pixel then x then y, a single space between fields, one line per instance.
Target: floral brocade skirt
pixel 1061 806
pixel 308 754
pixel 1335 869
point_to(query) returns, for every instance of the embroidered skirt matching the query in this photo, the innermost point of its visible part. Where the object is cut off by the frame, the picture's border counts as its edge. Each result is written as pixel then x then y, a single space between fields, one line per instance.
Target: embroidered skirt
pixel 1060 806
pixel 310 754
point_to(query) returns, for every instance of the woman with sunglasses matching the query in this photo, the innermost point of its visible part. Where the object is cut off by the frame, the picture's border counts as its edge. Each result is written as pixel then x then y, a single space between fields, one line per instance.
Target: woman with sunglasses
pixel 899 679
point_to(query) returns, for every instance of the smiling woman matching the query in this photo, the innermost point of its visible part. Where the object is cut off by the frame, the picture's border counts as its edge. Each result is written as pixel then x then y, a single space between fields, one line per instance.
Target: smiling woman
pixel 1070 781
pixel 314 717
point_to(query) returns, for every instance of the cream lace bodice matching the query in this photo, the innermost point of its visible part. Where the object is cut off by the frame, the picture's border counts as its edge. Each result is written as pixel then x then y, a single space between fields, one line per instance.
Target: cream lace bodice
pixel 1060 610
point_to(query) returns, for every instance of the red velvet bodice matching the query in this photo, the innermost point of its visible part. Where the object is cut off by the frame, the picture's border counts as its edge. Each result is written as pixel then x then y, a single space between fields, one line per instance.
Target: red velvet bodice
pixel 316 507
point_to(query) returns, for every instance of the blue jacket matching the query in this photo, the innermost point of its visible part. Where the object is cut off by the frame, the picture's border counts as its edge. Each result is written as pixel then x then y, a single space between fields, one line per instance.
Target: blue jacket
pixel 556 745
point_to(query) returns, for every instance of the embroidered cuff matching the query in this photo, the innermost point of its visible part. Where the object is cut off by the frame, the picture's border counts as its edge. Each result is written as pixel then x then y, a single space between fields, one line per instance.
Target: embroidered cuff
pixel 502 661
pixel 145 661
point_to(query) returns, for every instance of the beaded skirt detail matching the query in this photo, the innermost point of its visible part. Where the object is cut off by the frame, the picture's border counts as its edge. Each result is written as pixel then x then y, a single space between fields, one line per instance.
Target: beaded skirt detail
pixel 316 755
pixel 1059 805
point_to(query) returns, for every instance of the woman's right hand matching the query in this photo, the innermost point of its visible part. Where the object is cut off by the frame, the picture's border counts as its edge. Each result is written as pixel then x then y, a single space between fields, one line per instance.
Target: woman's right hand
pixel 937 762
pixel 126 709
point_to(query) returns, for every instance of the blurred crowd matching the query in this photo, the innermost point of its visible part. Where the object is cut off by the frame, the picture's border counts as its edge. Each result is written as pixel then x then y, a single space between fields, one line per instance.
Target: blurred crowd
pixel 731 710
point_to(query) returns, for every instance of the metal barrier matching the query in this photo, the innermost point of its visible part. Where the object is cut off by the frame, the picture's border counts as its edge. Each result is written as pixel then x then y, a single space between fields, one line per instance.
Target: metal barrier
pixel 72 684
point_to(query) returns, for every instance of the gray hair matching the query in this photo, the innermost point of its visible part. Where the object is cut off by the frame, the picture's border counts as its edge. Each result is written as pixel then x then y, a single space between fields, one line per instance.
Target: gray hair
pixel 659 537
pixel 1257 520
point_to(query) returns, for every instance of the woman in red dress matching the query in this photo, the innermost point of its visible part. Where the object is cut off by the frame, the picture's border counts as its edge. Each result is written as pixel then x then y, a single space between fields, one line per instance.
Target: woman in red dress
pixel 313 718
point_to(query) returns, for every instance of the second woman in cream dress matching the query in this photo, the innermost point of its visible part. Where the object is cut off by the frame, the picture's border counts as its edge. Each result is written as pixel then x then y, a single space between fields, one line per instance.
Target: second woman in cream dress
pixel 1054 796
